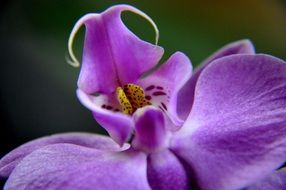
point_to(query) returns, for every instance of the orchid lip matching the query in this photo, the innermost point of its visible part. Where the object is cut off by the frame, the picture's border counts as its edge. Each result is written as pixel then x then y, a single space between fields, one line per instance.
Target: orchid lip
pixel 150 133
pixel 131 97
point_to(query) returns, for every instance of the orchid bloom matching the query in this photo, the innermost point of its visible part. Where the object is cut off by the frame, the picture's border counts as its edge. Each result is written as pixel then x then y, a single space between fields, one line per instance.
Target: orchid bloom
pixel 110 82
pixel 224 128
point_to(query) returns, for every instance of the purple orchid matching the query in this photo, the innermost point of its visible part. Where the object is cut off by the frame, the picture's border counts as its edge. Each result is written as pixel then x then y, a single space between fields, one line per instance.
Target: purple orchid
pixel 223 128
pixel 114 60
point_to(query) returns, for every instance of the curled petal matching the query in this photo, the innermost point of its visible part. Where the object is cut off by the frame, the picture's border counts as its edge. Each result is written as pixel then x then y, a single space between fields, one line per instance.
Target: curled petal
pixel 236 131
pixel 113 55
pixel 186 95
pixel 118 125
pixel 163 84
pixel 238 47
pixel 99 142
pixel 165 171
pixel 72 167
pixel 275 181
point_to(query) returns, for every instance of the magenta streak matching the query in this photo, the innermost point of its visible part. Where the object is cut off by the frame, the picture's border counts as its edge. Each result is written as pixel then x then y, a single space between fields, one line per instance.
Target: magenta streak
pixel 160 88
pixel 150 87
pixel 164 106
pixel 148 97
pixel 159 93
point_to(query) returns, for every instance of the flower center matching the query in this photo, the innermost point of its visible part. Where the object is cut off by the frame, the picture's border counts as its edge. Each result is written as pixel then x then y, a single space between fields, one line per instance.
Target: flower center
pixel 131 97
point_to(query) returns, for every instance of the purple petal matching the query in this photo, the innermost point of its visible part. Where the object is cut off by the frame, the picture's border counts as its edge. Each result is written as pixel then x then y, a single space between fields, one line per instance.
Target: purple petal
pixel 165 172
pixel 118 125
pixel 236 132
pixel 12 159
pixel 238 47
pixel 186 95
pixel 113 55
pixel 150 133
pixel 276 181
pixel 163 84
pixel 72 167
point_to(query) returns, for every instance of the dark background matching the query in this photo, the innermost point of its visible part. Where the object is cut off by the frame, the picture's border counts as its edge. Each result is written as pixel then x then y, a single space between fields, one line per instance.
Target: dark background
pixel 37 86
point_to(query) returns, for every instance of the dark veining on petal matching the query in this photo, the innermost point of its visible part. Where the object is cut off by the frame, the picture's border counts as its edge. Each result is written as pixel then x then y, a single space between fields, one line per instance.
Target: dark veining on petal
pixel 159 93
pixel 109 107
pixel 148 97
pixel 159 87
pixel 150 88
pixel 164 106
pixel 161 108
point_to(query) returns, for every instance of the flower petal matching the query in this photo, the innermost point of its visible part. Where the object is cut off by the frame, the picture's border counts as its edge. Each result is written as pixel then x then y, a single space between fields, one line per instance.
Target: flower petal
pixel 276 181
pixel 236 132
pixel 12 159
pixel 186 95
pixel 72 167
pixel 113 55
pixel 238 47
pixel 164 83
pixel 118 125
pixel 150 133
pixel 165 172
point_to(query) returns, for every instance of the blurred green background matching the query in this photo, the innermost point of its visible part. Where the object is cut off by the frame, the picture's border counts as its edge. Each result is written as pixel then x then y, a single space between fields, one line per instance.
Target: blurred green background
pixel 37 94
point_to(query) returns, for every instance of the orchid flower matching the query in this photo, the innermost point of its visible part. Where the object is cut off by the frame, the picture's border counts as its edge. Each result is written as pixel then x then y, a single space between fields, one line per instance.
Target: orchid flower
pixel 223 128
pixel 114 59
